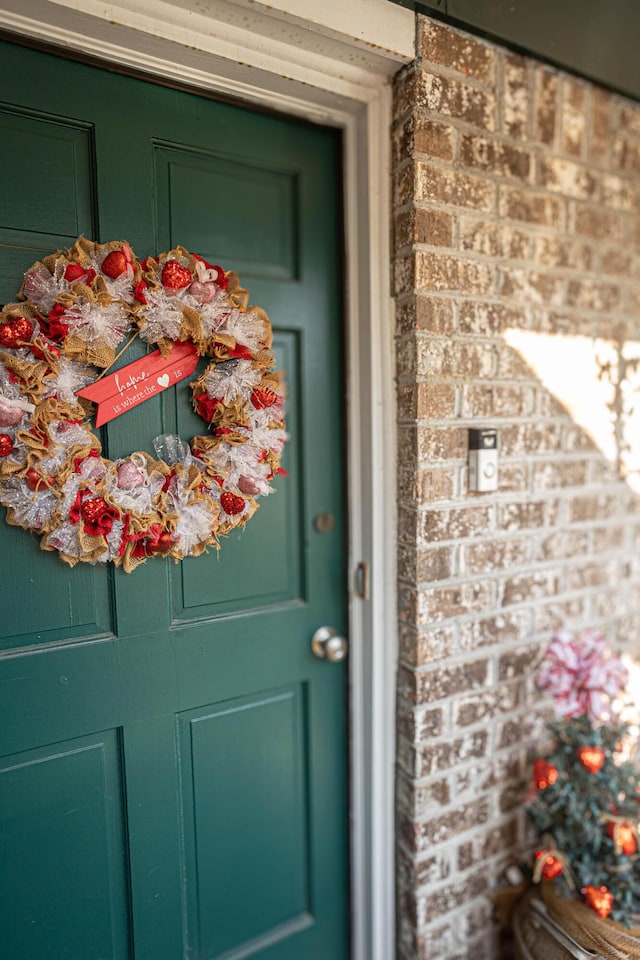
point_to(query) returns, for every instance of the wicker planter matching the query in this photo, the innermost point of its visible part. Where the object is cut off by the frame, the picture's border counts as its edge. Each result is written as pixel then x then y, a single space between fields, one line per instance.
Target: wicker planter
pixel 547 927
pixel 537 936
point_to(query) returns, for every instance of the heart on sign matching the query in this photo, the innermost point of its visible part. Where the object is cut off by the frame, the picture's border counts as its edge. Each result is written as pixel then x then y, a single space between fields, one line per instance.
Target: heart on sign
pixel 163 381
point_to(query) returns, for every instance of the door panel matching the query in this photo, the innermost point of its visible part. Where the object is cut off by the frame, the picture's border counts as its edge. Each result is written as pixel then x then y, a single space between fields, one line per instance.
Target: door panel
pixel 245 808
pixel 173 757
pixel 59 803
pixel 201 195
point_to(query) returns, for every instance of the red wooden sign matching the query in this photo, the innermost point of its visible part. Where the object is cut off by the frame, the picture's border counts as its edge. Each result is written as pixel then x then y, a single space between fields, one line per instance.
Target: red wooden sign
pixel 139 381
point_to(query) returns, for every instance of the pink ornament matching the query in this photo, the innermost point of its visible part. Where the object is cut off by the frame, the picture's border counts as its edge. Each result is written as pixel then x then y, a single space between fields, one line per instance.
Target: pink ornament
pixel 203 292
pixel 93 467
pixel 129 476
pixel 9 413
pixel 249 486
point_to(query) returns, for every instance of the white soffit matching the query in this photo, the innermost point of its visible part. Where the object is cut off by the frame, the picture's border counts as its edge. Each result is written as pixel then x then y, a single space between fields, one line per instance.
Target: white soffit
pixel 336 47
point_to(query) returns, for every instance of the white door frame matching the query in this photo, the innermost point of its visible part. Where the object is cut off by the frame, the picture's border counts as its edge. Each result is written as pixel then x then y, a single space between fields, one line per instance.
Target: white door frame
pixel 330 66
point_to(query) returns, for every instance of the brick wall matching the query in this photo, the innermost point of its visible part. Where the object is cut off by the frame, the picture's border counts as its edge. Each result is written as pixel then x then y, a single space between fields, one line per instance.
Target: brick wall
pixel 516 197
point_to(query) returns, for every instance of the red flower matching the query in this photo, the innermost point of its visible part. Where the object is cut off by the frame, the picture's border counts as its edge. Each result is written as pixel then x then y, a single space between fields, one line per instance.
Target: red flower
pixel 56 329
pixel 206 406
pixel 139 289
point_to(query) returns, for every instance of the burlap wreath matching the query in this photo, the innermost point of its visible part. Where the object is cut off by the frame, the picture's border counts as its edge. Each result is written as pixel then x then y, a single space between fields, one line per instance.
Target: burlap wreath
pixel 78 306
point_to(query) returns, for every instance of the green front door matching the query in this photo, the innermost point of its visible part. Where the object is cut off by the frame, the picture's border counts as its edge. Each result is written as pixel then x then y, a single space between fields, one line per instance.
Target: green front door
pixel 172 755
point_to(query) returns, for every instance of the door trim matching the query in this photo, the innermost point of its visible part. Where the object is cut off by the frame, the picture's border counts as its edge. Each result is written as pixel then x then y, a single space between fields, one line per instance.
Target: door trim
pixel 252 51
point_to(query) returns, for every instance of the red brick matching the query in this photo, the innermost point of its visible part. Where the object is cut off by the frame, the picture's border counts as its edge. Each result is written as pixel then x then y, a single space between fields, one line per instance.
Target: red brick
pixel 455 523
pixel 425 313
pixel 444 603
pixel 495 400
pixel 532 285
pixel 598 223
pixel 445 754
pixel 548 476
pixel 531 207
pixel 626 156
pixel 495 239
pixel 493 555
pixel 530 438
pixel 506 627
pixel 528 587
pixel 523 516
pixel 452 98
pixel 456 359
pixel 560 251
pixel 457 51
pixel 573 117
pixel 494 157
pixel 441 443
pixel 433 565
pixel 419 136
pixel 601 117
pixel 419 649
pixel 453 187
pixel 450 824
pixel 444 272
pixel 560 544
pixel 546 105
pixel 435 485
pixel 484 706
pixel 516 105
pixel 433 138
pixel 568 178
pixel 441 902
pixel 591 295
pixel 487 319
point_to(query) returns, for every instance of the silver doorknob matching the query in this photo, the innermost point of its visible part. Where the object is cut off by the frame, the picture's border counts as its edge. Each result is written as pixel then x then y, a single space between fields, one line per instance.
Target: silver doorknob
pixel 329 645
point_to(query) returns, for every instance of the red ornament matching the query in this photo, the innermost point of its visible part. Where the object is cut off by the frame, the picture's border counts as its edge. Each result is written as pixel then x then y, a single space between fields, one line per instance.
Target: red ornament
pixel 92 510
pixel 599 899
pixel 35 481
pixel 544 774
pixel 231 503
pixel 551 866
pixel 592 758
pixel 98 516
pixel 115 264
pixel 15 333
pixel 175 277
pixel 623 836
pixel 6 444
pixel 262 398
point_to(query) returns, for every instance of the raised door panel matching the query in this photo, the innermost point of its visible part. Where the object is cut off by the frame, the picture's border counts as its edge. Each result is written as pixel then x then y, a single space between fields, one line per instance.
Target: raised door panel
pixel 218 203
pixel 66 896
pixel 244 770
pixel 46 166
pixel 264 564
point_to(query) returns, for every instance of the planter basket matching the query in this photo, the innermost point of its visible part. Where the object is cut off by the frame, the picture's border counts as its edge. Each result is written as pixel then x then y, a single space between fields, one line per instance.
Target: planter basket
pixel 548 927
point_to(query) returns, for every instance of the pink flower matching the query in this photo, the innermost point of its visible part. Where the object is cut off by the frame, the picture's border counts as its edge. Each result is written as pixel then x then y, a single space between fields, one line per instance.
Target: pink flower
pixel 581 674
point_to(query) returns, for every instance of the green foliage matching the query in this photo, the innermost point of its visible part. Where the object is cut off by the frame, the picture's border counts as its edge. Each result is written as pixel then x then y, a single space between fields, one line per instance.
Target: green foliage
pixel 573 813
